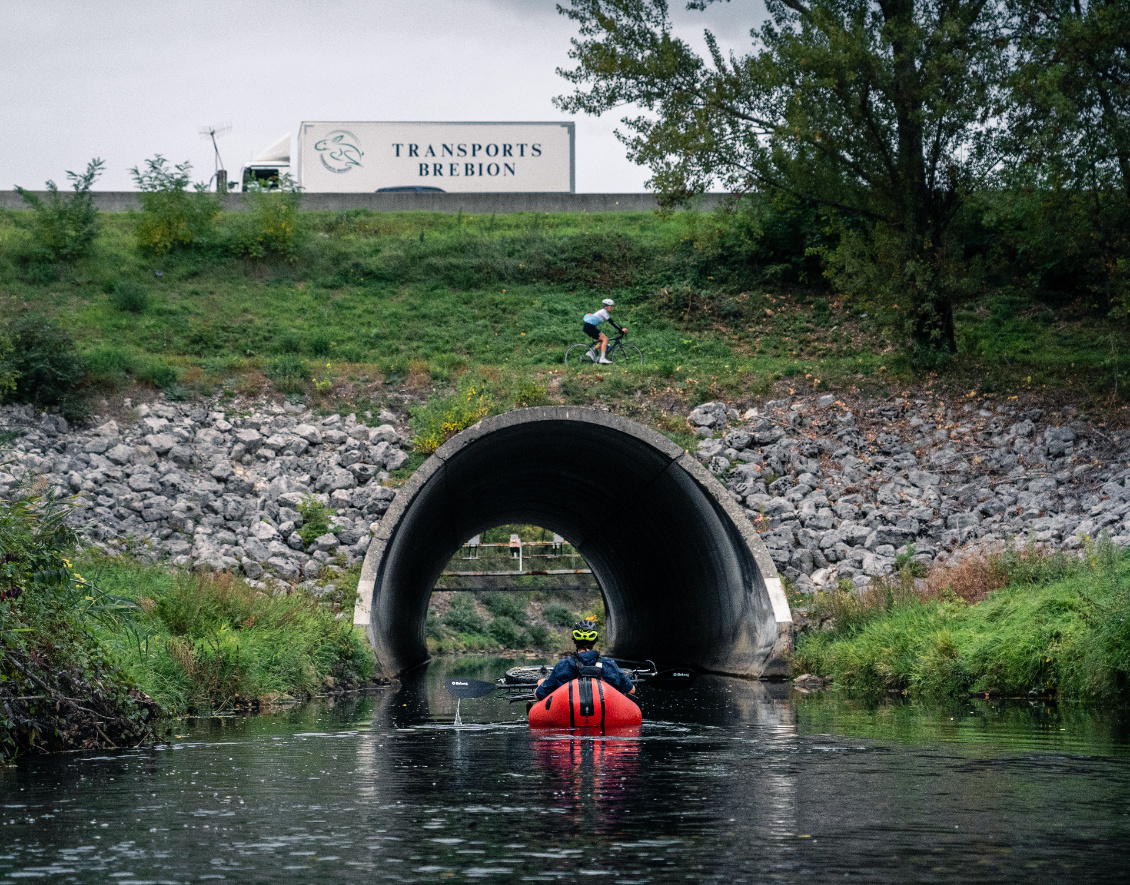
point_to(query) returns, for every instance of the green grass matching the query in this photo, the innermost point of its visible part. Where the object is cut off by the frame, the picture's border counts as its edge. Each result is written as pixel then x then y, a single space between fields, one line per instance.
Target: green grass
pixel 1060 627
pixel 60 688
pixel 380 304
pixel 419 299
pixel 209 641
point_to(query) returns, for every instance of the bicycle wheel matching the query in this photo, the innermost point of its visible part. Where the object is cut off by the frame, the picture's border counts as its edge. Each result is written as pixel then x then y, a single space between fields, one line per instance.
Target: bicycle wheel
pixel 577 355
pixel 627 355
pixel 526 675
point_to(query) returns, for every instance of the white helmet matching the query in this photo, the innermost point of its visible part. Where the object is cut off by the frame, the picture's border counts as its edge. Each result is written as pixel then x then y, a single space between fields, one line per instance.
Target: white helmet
pixel 608 302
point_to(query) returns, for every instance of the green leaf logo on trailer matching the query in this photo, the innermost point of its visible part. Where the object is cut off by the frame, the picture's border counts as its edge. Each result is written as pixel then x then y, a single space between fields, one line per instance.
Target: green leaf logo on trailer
pixel 339 151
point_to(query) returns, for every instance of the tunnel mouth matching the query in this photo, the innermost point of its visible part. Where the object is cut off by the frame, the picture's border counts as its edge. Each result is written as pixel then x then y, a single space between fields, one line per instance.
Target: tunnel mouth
pixel 684 577
pixel 514 588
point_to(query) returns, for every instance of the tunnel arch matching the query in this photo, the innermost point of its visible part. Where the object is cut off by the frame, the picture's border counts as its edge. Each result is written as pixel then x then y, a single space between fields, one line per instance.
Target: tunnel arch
pixel 685 578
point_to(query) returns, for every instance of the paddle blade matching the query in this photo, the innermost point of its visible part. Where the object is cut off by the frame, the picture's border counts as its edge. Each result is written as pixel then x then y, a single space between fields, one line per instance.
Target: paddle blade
pixel 674 679
pixel 469 688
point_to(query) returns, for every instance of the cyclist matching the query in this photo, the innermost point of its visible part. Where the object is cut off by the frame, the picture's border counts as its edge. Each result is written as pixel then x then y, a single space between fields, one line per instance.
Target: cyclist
pixel 591 324
pixel 586 661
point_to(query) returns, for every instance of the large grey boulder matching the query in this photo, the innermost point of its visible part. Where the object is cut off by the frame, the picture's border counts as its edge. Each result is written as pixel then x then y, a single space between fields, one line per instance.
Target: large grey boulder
pixel 161 443
pixel 709 448
pixel 385 433
pixel 1058 440
pixel 310 433
pixel 249 438
pixel 337 478
pixel 710 415
pixel 119 454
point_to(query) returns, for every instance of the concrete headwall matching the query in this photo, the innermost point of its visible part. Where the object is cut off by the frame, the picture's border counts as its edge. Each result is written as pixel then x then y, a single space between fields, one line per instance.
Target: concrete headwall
pixel 684 575
pixel 470 204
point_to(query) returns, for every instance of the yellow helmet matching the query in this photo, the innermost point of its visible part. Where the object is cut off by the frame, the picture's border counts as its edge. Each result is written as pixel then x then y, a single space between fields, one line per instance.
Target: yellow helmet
pixel 585 631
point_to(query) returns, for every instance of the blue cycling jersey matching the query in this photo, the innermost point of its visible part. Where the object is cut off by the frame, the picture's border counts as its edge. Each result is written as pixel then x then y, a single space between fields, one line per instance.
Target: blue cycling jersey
pixel 569 669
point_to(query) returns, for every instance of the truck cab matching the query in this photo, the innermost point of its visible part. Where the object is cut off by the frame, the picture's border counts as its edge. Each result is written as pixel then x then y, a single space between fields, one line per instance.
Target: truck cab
pixel 267 167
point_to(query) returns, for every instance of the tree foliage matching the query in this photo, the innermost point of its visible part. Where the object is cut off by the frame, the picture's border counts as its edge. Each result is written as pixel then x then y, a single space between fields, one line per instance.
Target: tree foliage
pixel 887 113
pixel 1070 144
pixel 40 365
pixel 1071 117
pixel 64 229
pixel 172 217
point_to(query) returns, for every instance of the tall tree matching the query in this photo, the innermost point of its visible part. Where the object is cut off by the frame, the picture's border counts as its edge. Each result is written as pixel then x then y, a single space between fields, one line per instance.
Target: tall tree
pixel 1072 90
pixel 1070 153
pixel 886 112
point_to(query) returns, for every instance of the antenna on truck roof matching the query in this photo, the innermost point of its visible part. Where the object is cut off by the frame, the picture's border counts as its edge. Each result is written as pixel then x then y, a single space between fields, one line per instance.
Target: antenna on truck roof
pixel 211 133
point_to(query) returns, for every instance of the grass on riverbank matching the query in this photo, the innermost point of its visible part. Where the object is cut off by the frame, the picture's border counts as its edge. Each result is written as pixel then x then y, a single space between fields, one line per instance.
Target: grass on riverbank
pixel 209 641
pixel 412 301
pixel 1059 626
pixel 60 688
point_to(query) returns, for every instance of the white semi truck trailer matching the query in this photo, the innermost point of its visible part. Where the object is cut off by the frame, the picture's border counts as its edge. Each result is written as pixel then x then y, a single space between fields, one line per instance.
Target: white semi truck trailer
pixel 363 157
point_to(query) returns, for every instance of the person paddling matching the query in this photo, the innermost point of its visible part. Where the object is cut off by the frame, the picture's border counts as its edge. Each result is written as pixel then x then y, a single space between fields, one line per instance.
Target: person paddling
pixel 585 661
pixel 591 328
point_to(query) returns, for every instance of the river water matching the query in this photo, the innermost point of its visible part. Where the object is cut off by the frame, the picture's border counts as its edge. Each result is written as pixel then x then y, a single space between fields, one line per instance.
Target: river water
pixel 729 782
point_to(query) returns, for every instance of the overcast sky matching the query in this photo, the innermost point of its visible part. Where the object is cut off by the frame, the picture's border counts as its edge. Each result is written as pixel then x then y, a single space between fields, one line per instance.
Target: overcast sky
pixel 125 80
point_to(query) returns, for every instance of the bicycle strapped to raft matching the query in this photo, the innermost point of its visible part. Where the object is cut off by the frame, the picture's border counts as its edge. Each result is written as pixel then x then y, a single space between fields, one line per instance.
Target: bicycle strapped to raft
pixel 619 353
pixel 519 681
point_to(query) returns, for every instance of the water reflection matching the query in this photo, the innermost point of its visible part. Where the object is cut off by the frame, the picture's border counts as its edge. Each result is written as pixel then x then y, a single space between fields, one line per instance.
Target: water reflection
pixel 732 782
pixel 593 779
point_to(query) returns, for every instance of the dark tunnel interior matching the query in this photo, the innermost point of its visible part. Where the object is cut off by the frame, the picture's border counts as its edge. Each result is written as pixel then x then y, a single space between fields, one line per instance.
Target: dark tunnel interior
pixel 680 580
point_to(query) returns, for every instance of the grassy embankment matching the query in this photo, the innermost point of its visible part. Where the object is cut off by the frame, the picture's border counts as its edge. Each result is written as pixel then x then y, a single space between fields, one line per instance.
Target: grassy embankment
pixel 378 303
pixel 1014 625
pixel 93 651
pixel 404 309
pixel 203 641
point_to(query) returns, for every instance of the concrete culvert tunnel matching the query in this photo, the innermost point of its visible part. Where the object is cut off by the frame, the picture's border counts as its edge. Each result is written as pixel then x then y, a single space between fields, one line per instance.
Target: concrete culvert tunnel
pixel 685 578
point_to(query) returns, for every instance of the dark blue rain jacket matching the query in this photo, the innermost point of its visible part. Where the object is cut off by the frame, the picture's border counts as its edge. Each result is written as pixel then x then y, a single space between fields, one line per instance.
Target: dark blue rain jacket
pixel 569 669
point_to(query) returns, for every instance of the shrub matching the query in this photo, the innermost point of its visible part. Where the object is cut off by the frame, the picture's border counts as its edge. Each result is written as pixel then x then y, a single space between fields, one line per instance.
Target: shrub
pixel 270 226
pixel 64 229
pixel 462 617
pixel 46 368
pixel 289 341
pixel 108 366
pixel 433 626
pixel 319 344
pixel 315 519
pixel 154 370
pixel 503 604
pixel 540 636
pixel 59 689
pixel 1057 626
pixel 207 640
pixel 506 633
pixel 443 417
pixel 530 393
pixel 129 296
pixel 173 219
pixel 8 372
pixel 289 373
pixel 196 606
pixel 558 615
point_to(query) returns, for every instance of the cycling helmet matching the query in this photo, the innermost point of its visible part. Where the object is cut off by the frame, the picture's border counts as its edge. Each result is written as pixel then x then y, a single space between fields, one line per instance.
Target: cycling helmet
pixel 608 302
pixel 585 631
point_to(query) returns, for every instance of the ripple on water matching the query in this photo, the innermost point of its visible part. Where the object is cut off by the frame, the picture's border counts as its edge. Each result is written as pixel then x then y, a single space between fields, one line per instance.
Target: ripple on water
pixel 749 785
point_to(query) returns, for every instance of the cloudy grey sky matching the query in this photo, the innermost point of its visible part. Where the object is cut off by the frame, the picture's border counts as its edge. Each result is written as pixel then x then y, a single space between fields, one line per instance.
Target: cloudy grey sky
pixel 125 80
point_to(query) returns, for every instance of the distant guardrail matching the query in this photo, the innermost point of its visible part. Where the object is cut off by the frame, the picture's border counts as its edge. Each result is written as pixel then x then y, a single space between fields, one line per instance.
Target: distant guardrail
pixel 471 204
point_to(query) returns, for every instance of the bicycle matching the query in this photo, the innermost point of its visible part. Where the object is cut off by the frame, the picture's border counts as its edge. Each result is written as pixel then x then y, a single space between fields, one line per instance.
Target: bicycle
pixel 619 353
